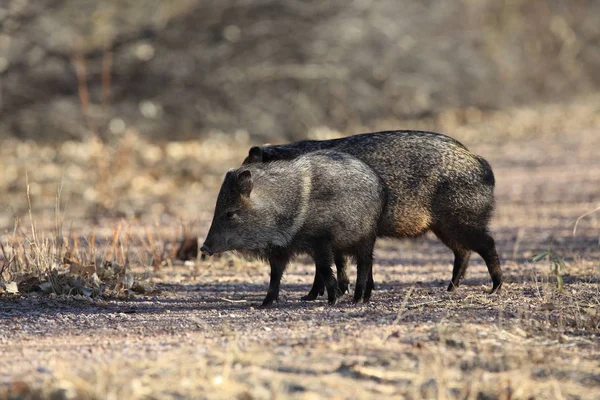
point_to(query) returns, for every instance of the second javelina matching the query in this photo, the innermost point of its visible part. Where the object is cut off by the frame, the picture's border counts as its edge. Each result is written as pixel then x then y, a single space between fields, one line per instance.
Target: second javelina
pixel 320 203
pixel 433 183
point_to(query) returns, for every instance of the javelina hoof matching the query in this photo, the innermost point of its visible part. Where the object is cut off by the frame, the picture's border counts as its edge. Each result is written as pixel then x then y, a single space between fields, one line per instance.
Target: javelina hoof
pixel 318 289
pixel 452 287
pixel 267 303
pixel 496 288
pixel 344 287
pixel 333 295
pixel 359 297
pixel 310 296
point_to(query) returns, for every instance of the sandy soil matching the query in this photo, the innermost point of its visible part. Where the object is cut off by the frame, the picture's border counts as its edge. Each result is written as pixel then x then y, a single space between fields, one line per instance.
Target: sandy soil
pixel 202 336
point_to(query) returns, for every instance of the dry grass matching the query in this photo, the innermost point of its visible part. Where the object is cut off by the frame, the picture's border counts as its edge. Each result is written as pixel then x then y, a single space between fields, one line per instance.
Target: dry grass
pixel 450 361
pixel 531 342
pixel 36 263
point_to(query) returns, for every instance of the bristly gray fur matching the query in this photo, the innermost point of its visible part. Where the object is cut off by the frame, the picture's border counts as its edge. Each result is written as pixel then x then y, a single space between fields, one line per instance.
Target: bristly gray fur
pixel 317 201
pixel 433 183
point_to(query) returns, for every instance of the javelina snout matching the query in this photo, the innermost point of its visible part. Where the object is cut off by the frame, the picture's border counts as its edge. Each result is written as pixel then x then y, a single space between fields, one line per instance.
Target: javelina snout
pixel 322 203
pixel 206 250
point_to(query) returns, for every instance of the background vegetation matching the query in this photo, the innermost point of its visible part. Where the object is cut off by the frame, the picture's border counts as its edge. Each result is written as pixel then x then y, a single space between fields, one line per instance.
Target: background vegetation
pixel 276 69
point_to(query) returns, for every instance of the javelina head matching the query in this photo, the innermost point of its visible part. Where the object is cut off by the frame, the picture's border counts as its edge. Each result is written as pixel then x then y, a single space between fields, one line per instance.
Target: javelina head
pixel 235 225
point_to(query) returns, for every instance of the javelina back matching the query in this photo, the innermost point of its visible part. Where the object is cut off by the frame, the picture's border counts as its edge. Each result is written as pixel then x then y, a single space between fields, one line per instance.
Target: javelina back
pixel 433 183
pixel 320 203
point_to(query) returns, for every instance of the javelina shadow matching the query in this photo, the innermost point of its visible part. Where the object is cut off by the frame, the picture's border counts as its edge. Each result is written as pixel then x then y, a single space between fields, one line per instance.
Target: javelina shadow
pixel 217 297
pixel 198 297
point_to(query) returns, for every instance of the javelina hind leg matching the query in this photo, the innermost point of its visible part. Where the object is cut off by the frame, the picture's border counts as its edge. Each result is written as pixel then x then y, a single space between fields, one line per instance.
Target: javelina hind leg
pixel 461 261
pixel 484 244
pixel 278 263
pixel 364 265
pixel 342 276
pixel 323 256
pixel 461 254
pixel 317 289
pixel 490 255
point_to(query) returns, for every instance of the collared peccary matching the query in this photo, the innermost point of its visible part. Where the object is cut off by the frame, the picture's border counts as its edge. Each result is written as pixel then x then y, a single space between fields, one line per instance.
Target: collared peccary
pixel 433 183
pixel 320 203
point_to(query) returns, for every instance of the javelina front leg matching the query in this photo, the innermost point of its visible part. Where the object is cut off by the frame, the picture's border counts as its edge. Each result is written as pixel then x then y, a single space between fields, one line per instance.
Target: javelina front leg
pixel 323 259
pixel 342 276
pixel 370 287
pixel 278 264
pixel 318 287
pixel 364 274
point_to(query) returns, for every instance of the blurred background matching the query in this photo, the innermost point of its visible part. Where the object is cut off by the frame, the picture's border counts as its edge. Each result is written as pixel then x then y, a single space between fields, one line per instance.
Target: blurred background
pixel 130 102
pixel 177 69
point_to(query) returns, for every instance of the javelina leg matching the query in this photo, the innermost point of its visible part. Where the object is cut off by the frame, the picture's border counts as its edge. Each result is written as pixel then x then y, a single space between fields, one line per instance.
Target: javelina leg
pixel 461 255
pixel 364 265
pixel 492 261
pixel 369 288
pixel 278 264
pixel 317 289
pixel 342 276
pixel 461 261
pixel 484 244
pixel 323 260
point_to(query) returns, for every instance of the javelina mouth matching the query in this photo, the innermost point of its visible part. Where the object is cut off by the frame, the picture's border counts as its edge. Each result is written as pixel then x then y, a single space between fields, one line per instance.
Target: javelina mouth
pixel 206 250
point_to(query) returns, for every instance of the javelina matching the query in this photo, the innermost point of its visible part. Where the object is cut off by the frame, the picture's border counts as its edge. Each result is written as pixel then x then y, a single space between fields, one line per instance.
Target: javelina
pixel 319 203
pixel 433 183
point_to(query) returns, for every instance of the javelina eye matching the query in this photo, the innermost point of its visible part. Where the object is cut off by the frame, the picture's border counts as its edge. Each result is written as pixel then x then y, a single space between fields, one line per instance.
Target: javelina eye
pixel 230 214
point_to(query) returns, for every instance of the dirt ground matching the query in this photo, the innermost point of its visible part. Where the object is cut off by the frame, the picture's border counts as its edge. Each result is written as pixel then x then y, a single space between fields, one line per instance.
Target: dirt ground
pixel 202 335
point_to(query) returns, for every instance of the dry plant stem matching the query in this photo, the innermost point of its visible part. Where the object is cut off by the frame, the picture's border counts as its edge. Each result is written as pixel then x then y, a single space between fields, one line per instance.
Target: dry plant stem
pixel 520 235
pixel 106 75
pixel 33 233
pixel 583 216
pixel 78 62
pixel 402 307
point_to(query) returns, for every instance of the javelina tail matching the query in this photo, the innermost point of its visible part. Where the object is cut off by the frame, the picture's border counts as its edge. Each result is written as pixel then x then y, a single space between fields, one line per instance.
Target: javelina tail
pixel 488 174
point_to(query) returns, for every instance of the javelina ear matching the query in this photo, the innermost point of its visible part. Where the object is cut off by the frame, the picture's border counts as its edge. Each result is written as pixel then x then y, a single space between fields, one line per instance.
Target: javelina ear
pixel 245 182
pixel 255 154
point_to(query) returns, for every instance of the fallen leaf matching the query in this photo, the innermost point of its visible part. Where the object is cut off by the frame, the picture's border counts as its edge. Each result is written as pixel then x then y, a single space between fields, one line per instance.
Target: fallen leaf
pixel 82 270
pixel 11 287
pixel 95 279
pixel 128 281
